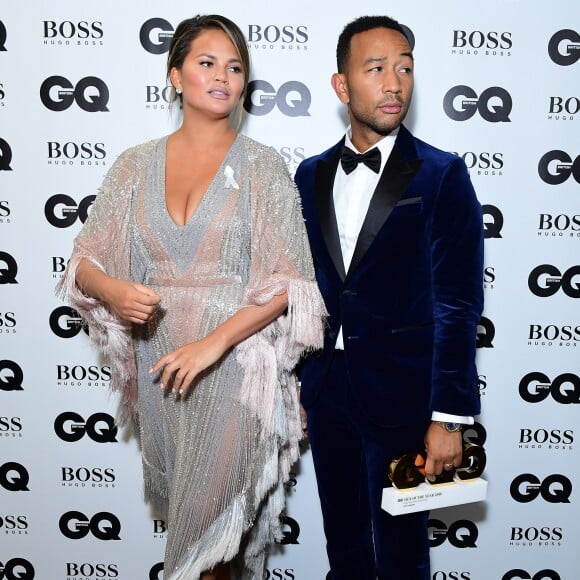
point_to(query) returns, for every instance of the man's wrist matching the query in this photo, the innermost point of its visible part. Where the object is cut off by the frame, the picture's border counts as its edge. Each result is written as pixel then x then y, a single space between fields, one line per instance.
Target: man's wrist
pixel 450 426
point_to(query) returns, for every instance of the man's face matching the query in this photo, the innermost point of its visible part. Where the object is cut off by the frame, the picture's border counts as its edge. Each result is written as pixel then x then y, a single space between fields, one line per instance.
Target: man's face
pixel 377 83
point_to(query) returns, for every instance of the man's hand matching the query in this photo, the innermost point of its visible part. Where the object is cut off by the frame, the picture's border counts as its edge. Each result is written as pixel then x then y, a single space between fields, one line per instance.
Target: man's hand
pixel 443 450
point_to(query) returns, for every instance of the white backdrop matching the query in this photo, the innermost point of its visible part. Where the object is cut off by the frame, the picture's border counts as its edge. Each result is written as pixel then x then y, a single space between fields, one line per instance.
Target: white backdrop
pixel 496 82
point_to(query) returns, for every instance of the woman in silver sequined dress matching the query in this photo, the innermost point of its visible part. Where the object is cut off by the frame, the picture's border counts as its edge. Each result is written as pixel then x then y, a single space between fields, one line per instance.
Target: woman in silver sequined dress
pixel 194 274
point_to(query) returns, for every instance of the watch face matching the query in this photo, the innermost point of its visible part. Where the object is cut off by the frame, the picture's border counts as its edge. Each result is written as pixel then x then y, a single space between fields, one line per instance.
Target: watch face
pixel 452 426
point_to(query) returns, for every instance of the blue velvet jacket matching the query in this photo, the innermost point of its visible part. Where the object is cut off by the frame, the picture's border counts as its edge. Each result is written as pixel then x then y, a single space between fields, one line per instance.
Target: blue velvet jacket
pixel 411 301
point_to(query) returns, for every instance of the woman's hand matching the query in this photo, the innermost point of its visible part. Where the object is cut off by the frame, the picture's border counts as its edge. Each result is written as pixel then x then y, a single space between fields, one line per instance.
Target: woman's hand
pixel 181 366
pixel 130 301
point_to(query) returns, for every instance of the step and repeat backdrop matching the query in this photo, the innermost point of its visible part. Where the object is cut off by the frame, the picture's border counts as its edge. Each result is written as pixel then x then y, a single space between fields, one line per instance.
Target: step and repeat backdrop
pixel 496 82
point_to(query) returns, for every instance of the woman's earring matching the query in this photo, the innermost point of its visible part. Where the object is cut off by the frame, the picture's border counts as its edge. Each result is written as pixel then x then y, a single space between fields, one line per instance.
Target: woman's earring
pixel 178 91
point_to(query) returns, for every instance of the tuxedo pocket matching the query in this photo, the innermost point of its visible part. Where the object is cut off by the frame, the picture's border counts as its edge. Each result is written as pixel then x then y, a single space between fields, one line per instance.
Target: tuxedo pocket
pixel 409 206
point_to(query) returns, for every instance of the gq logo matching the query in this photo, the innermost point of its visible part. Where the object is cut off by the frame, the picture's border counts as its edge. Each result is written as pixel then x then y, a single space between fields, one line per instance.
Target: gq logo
pixel 155 572
pixel 564 47
pixel 2 37
pixel 155 35
pixel 461 534
pixel 555 167
pixel 91 94
pixel 8 269
pixel 103 525
pixel 485 333
pixel 492 221
pixel 14 476
pixel 293 98
pixel 536 387
pixel 519 574
pixel 555 488
pixel 72 427
pixel 545 280
pixel 16 568
pixel 11 376
pixel 66 322
pixel 494 104
pixel 290 531
pixel 5 155
pixel 70 211
pixel 474 434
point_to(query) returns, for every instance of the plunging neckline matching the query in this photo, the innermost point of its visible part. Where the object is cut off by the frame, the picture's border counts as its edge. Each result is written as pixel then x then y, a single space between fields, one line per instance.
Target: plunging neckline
pixel 220 171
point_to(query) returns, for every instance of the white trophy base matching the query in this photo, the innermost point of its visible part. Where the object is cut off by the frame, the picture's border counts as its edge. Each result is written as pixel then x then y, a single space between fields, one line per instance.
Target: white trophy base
pixel 428 497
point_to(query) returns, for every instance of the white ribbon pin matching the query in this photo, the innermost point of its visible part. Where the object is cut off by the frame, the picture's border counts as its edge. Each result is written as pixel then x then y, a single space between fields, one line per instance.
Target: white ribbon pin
pixel 230 181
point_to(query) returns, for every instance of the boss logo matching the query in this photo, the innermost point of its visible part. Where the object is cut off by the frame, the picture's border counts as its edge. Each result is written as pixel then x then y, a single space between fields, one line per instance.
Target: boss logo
pixel 544 534
pixel 273 34
pixel 555 167
pixel 292 156
pixel 290 531
pixel 492 221
pixel 280 574
pixel 86 570
pixel 10 425
pixel 8 269
pixel 155 35
pixel 94 475
pixel 485 163
pixel 555 488
pixel 440 575
pixel 14 476
pixel 292 98
pixel 103 526
pixel 67 29
pixel 552 332
pixel 536 387
pixel 7 322
pixel 460 534
pixel 564 107
pixel 16 568
pixel 69 213
pixel 72 427
pixel 156 572
pixel 11 376
pixel 71 151
pixel 564 47
pixel 14 524
pixel 478 39
pixel 5 155
pixel 159 527
pixel 485 333
pixel 92 373
pixel 157 94
pixel 545 280
pixel 462 102
pixel 66 322
pixel 519 574
pixel 91 94
pixel 4 211
pixel 560 223
pixel 542 436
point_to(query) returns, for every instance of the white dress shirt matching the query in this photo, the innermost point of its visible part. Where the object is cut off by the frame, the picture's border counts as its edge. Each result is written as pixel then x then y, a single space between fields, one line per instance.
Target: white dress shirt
pixel 352 195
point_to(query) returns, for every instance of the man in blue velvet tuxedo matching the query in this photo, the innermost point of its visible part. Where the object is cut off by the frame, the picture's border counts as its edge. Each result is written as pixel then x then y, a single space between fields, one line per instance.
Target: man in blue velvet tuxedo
pixel 396 236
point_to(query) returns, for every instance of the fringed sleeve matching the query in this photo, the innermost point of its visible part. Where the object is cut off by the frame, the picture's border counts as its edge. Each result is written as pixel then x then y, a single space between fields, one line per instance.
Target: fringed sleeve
pixel 104 242
pixel 280 262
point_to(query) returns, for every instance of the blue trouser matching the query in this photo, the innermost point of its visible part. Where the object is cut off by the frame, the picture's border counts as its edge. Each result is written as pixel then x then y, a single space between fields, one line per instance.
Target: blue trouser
pixel 351 460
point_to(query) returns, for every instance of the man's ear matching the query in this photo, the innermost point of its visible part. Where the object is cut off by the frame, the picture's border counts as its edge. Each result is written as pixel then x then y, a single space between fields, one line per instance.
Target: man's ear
pixel 340 87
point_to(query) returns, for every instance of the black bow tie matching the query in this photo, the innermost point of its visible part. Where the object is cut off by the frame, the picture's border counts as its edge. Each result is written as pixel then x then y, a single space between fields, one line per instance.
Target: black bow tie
pixel 349 159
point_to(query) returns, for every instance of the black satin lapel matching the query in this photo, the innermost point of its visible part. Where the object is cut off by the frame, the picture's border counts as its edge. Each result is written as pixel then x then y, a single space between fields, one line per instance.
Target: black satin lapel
pixel 323 186
pixel 393 183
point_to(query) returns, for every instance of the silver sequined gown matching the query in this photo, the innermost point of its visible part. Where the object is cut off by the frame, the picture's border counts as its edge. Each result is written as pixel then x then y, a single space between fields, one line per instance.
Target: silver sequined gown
pixel 216 461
